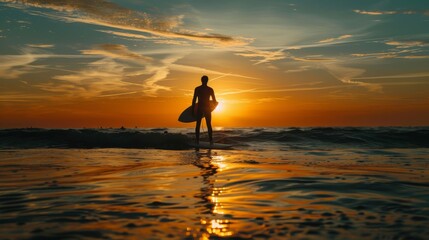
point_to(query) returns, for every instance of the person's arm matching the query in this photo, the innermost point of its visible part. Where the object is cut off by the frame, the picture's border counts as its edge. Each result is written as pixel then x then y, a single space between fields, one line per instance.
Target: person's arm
pixel 213 96
pixel 194 100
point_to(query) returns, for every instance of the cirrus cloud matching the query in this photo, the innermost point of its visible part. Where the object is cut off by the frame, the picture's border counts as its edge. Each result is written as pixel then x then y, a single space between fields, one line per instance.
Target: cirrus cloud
pixel 407 44
pixel 378 12
pixel 115 51
pixel 335 39
pixel 262 56
pixel 104 13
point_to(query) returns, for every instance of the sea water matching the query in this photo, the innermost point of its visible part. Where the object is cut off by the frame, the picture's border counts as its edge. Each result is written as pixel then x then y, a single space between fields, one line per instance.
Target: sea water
pixel 276 183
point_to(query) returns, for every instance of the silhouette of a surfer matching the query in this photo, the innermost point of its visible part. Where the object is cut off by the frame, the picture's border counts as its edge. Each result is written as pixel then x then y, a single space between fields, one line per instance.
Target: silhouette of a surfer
pixel 203 94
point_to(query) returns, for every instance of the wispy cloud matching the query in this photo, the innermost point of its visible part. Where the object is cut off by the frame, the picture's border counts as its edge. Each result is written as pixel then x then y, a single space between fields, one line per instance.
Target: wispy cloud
pixel 377 55
pixel 14 96
pixel 13 66
pixel 41 45
pixel 104 76
pixel 408 75
pixel 172 42
pixel 415 57
pixel 328 40
pixel 402 54
pixel 278 90
pixel 378 12
pixel 109 75
pixel 347 38
pixel 262 56
pixel 374 12
pixel 200 70
pixel 126 34
pixel 301 68
pixel 313 59
pixel 103 13
pixel 151 38
pixel 407 44
pixel 348 75
pixel 115 51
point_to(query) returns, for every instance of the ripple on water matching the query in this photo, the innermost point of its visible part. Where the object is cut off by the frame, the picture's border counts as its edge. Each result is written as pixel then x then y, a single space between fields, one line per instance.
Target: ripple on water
pixel 212 194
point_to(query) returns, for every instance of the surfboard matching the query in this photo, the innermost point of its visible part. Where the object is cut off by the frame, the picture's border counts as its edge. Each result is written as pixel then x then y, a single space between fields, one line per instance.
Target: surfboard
pixel 206 145
pixel 186 116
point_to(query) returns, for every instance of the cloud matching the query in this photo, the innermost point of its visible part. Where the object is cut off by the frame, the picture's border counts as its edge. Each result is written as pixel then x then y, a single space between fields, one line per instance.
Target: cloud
pixel 408 75
pixel 104 76
pixel 298 69
pixel 172 42
pixel 103 13
pixel 387 55
pixel 41 45
pixel 415 57
pixel 313 59
pixel 115 51
pixel 377 55
pixel 276 90
pixel 263 56
pixel 125 34
pixel 407 44
pixel 153 38
pixel 13 66
pixel 348 75
pixel 325 42
pixel 375 12
pixel 268 56
pixel 328 40
pixel 193 69
pixel 108 77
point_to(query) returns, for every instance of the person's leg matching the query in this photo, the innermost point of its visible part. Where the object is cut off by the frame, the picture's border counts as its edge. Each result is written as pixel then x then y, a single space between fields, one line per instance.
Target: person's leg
pixel 197 130
pixel 208 117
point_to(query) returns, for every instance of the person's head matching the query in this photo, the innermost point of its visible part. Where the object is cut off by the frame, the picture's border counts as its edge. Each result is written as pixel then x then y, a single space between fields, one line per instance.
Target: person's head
pixel 204 79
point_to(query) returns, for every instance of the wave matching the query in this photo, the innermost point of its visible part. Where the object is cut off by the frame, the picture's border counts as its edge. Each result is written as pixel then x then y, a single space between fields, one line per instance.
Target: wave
pixel 376 137
pixel 91 138
pixel 164 138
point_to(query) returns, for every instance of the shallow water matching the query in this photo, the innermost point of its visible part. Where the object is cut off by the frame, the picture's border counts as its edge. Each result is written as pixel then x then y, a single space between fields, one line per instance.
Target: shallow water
pixel 237 194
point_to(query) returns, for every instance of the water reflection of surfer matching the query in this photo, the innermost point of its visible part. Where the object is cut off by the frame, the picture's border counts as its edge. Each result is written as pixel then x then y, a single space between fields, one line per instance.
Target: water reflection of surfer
pixel 208 169
pixel 203 94
pixel 213 220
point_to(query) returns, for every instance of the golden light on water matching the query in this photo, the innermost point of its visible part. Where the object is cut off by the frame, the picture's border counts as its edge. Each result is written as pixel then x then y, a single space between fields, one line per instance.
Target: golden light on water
pixel 217 227
pixel 216 224
pixel 216 200
pixel 220 162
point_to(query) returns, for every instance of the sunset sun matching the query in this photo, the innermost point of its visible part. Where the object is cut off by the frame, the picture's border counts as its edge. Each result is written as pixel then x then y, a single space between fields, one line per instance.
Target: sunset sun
pixel 220 108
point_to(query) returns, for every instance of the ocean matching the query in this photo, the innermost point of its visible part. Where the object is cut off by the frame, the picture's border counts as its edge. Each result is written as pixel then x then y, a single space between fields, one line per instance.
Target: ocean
pixel 274 183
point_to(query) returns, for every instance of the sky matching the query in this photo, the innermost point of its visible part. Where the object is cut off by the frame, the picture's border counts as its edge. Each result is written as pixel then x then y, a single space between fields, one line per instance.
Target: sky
pixel 135 63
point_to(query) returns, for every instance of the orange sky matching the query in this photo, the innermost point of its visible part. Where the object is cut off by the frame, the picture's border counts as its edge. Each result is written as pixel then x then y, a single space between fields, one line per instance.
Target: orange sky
pixel 362 64
pixel 163 112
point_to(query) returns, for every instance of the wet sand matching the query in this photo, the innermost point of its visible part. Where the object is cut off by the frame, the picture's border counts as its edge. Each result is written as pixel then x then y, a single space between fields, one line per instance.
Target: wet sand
pixel 237 194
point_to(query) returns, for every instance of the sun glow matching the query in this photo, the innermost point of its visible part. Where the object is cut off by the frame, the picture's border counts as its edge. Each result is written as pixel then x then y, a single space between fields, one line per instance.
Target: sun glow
pixel 219 108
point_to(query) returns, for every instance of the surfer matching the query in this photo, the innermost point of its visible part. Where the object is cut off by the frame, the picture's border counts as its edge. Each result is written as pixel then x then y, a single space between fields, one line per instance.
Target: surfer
pixel 203 94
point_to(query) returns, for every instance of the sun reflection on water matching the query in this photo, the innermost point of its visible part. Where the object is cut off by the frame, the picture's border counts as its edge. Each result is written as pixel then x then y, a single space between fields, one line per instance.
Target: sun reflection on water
pixel 217 227
pixel 214 223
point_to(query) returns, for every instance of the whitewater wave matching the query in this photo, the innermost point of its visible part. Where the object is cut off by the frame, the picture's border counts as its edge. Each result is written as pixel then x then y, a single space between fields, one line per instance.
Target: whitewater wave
pixel 163 138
